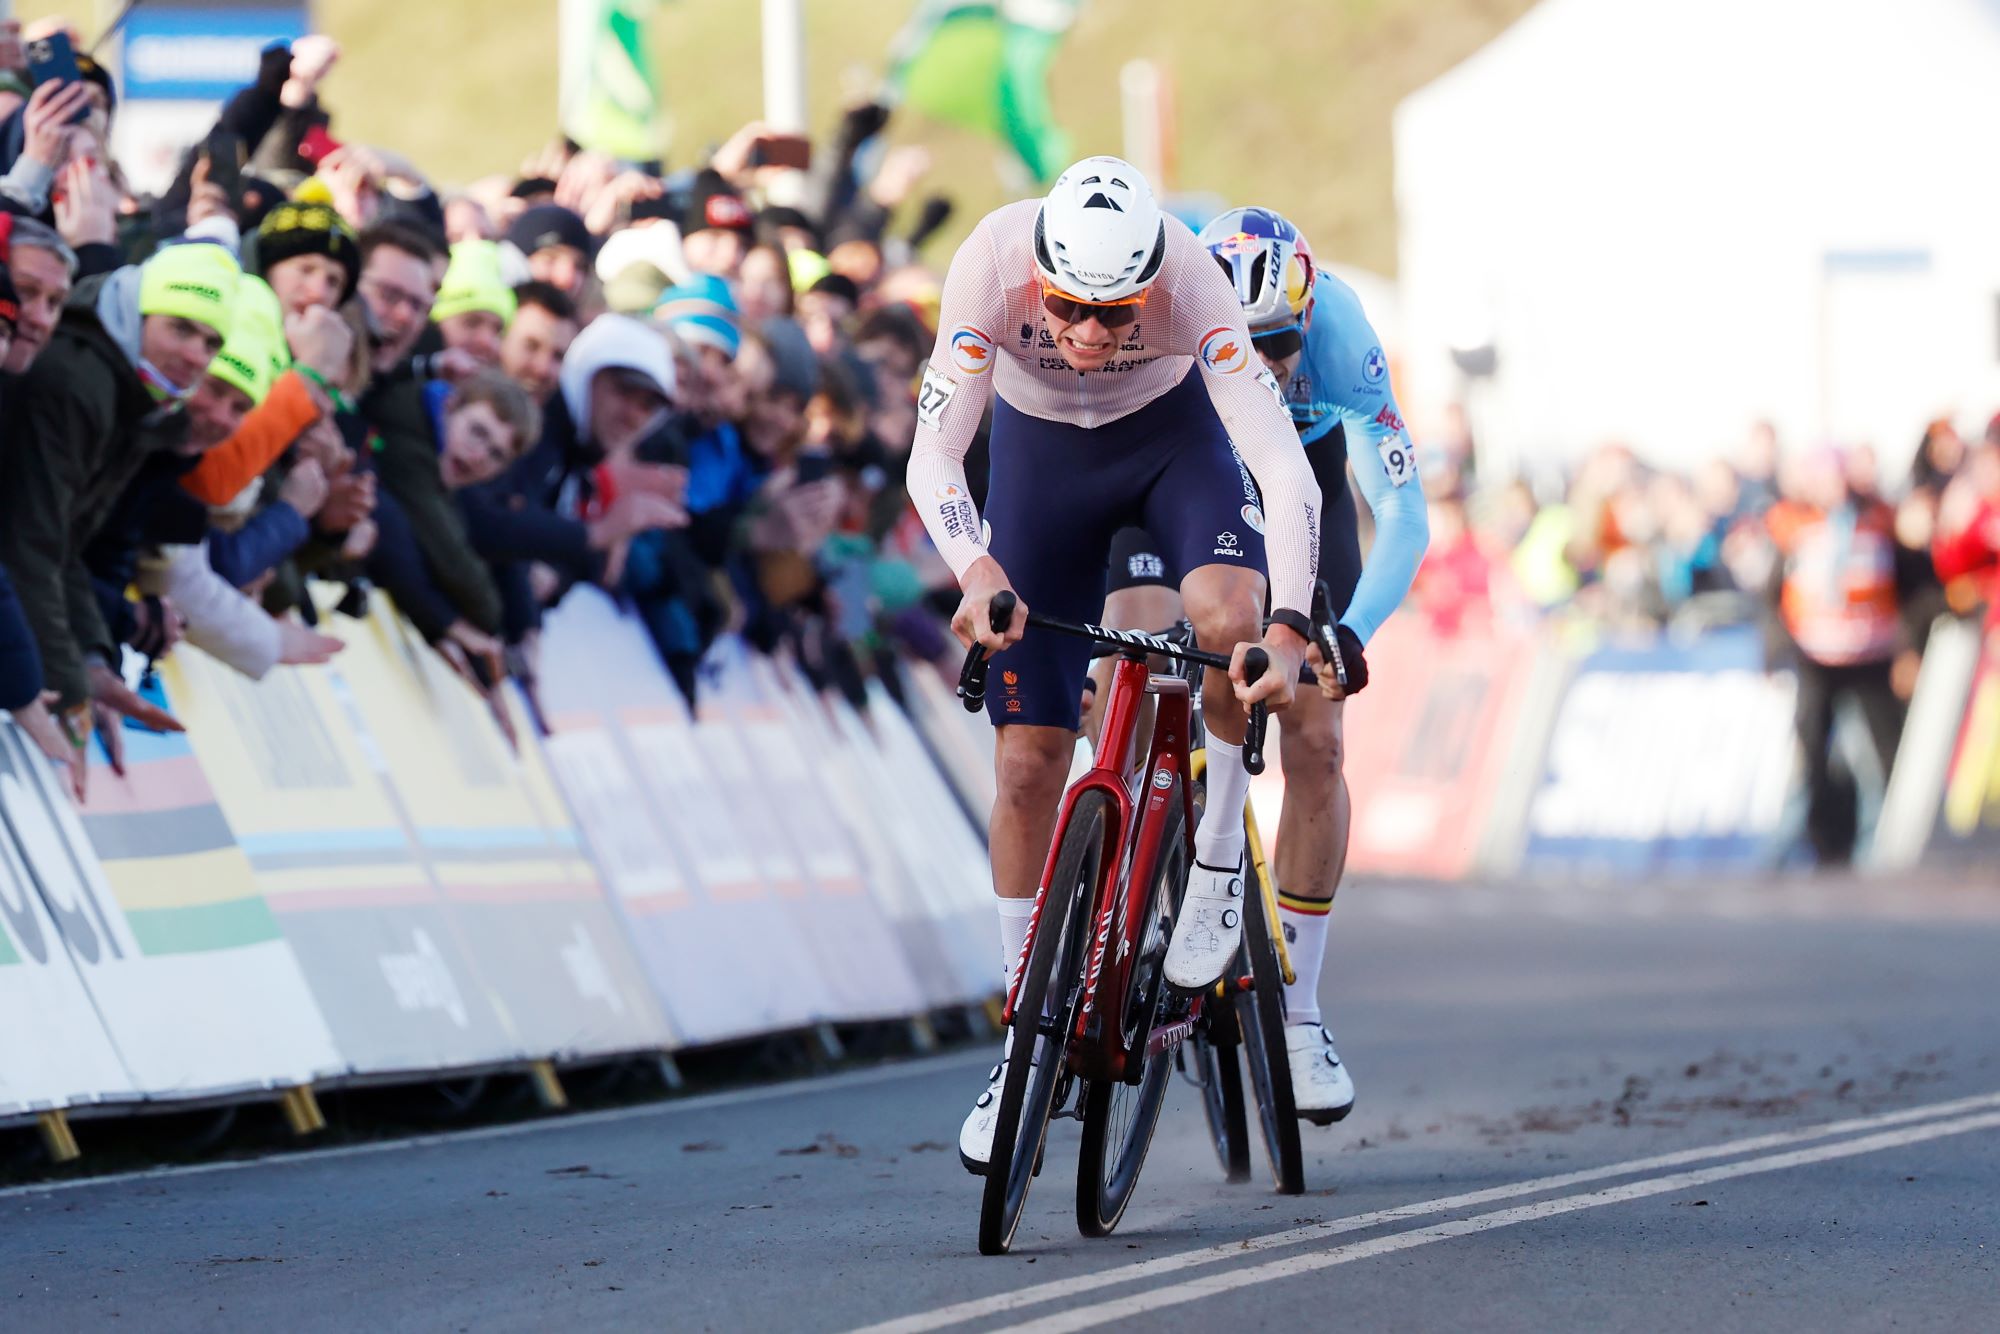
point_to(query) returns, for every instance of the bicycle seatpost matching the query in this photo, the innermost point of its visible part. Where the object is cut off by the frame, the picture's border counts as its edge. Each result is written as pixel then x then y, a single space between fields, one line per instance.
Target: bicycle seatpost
pixel 1255 663
pixel 972 677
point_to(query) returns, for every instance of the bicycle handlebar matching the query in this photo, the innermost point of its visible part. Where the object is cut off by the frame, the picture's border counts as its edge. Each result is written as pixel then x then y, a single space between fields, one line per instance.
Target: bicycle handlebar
pixel 972 677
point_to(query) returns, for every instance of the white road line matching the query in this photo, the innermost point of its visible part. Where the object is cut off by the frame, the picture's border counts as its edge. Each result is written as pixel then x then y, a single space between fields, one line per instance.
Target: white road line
pixel 666 1107
pixel 1057 1289
pixel 1086 1317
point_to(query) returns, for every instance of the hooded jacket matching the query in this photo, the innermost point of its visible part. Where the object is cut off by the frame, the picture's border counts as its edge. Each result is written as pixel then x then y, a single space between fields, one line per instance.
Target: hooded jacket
pixel 84 427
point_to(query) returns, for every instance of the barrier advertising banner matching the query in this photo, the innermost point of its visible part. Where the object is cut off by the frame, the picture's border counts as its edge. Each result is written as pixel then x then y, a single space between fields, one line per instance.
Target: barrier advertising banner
pixel 1428 745
pixel 1667 756
pixel 1969 823
pixel 55 1052
pixel 444 914
pixel 722 953
pixel 184 965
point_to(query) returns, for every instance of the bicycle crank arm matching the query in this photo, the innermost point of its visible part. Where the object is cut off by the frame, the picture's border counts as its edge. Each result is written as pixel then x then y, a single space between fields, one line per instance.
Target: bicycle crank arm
pixel 1167 1036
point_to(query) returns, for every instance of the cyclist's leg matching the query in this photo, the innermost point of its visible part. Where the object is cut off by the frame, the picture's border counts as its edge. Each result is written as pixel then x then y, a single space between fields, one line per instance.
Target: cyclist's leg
pixel 1205 513
pixel 1313 829
pixel 1140 594
pixel 1057 494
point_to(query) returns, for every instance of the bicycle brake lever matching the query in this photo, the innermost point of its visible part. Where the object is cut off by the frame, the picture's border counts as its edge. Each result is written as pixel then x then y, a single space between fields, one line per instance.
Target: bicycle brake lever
pixel 1255 663
pixel 972 677
pixel 1329 642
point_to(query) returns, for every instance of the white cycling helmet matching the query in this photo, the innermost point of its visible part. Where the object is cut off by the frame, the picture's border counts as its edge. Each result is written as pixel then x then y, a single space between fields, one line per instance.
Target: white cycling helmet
pixel 1266 260
pixel 1100 236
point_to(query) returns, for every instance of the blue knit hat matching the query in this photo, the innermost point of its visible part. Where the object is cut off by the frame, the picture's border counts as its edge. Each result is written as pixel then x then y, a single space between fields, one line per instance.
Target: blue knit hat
pixel 702 311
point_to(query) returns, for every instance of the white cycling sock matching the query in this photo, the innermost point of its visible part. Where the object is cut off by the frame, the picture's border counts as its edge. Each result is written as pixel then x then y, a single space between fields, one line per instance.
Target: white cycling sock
pixel 1014 915
pixel 1305 941
pixel 1219 840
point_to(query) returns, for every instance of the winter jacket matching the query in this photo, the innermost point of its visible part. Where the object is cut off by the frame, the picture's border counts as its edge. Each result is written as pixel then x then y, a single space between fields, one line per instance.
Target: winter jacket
pixel 84 426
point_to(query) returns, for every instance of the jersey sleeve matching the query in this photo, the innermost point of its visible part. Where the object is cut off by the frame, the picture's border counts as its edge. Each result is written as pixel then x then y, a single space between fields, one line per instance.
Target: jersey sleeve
pixel 1208 325
pixel 1385 468
pixel 957 386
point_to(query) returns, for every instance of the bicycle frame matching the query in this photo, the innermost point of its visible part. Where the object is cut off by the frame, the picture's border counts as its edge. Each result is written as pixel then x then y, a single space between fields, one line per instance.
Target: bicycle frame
pixel 1100 1048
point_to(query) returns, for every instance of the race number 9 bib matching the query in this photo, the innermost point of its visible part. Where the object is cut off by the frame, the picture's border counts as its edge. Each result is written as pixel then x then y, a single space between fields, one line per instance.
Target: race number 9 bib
pixel 1397 459
pixel 935 392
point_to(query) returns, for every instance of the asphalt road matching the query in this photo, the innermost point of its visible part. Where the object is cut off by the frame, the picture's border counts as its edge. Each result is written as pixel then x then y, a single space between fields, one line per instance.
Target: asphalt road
pixel 1717 1109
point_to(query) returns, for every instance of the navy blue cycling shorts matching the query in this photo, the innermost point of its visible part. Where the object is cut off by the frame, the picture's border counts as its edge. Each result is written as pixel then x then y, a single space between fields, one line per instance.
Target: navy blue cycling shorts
pixel 1137 561
pixel 1058 494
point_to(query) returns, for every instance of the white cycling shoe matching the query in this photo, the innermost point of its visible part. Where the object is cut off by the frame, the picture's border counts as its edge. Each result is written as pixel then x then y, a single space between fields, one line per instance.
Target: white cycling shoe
pixel 1210 925
pixel 1322 1090
pixel 975 1137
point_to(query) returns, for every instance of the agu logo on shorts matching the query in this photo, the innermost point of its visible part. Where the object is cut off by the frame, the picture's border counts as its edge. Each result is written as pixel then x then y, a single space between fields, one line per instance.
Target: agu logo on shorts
pixel 1224 351
pixel 971 350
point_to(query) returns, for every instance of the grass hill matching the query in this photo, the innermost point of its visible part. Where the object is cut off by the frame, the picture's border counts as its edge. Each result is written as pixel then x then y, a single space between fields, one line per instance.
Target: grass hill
pixel 1285 102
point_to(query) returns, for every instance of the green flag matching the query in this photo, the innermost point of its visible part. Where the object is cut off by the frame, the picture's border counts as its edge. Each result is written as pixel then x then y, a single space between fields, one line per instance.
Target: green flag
pixel 985 66
pixel 610 95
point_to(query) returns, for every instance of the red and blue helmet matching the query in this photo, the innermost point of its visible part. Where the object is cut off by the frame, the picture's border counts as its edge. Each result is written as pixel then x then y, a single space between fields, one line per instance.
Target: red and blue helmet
pixel 1267 262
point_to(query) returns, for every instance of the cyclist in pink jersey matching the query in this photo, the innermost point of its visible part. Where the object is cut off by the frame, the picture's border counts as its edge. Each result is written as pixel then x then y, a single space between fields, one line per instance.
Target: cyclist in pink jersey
pixel 1124 390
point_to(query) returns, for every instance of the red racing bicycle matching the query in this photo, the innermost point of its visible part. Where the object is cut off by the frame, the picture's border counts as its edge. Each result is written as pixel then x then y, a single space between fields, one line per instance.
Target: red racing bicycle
pixel 1090 1015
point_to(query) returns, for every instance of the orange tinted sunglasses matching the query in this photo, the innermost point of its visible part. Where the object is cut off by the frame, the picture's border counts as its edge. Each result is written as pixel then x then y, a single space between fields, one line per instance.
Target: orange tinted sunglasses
pixel 1074 310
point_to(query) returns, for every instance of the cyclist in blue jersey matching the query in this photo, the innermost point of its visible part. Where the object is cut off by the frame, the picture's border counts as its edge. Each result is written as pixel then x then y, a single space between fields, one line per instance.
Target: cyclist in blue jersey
pixel 1310 331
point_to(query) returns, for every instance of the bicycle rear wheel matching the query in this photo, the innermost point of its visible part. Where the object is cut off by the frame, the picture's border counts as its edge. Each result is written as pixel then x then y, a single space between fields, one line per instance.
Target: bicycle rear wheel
pixel 1261 1012
pixel 1213 1052
pixel 1044 1011
pixel 1118 1117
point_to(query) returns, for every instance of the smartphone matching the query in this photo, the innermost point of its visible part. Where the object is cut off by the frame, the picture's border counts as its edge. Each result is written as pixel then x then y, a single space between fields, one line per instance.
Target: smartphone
pixel 814 468
pixel 782 150
pixel 53 60
pixel 317 144
pixel 225 154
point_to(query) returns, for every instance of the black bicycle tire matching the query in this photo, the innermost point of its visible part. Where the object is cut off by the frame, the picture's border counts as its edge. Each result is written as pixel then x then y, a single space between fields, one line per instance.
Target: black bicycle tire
pixel 1217 1045
pixel 1218 1057
pixel 1100 1203
pixel 1261 1012
pixel 1055 954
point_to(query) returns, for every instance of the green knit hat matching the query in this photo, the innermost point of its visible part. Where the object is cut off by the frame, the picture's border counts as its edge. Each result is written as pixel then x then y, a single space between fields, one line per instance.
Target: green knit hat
pixel 195 280
pixel 473 281
pixel 255 351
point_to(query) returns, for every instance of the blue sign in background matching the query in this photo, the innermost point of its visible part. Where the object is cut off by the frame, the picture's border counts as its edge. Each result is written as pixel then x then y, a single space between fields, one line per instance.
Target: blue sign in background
pixel 197 54
pixel 1664 757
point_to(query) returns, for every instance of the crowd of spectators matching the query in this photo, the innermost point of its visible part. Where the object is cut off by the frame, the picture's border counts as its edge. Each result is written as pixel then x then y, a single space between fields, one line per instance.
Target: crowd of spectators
pixel 306 372
pixel 1845 574
pixel 305 375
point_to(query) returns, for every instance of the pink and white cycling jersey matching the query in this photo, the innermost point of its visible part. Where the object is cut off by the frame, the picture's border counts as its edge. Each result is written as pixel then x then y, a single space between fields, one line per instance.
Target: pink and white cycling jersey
pixel 991 338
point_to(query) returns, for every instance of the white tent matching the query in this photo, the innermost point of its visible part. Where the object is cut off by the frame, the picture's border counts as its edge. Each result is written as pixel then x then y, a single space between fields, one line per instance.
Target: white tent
pixel 1668 218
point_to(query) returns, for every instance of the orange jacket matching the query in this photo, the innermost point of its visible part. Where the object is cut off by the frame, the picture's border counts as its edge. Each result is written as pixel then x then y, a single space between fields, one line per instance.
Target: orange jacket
pixel 267 432
pixel 1839 599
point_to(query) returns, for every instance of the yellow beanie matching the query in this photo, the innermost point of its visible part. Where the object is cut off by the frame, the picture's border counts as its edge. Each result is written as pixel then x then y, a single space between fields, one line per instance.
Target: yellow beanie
pixel 195 280
pixel 254 352
pixel 473 281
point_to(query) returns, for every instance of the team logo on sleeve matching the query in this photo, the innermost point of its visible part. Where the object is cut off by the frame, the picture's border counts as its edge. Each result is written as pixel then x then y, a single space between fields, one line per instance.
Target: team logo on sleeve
pixel 1224 351
pixel 971 350
pixel 956 511
pixel 1374 366
pixel 1254 516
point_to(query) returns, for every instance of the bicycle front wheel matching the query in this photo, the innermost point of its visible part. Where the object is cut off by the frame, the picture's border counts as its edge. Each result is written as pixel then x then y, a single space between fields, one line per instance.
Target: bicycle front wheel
pixel 1039 1035
pixel 1119 1117
pixel 1261 1012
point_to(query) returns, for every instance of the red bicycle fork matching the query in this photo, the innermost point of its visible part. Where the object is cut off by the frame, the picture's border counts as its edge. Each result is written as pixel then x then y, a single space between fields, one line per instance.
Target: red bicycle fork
pixel 1129 861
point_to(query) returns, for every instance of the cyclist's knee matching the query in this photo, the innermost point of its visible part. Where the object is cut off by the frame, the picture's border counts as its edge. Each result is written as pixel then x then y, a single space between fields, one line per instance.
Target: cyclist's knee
pixel 1032 761
pixel 1312 750
pixel 1223 606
